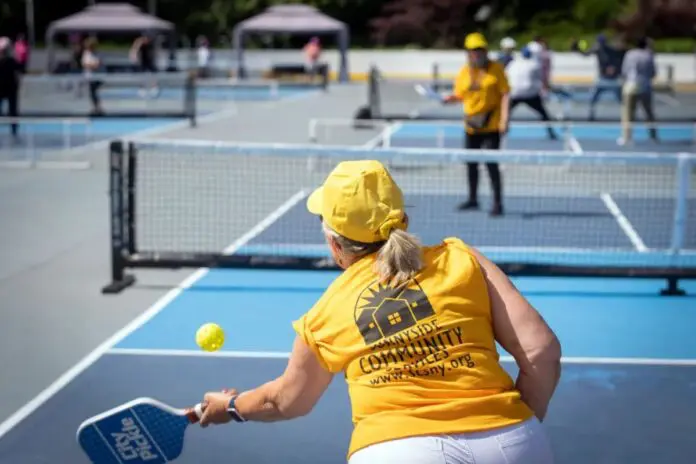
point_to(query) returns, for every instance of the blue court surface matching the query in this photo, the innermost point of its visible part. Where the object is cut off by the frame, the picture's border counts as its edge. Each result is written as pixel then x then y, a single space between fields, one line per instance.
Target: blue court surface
pixel 73 132
pixel 627 394
pixel 576 137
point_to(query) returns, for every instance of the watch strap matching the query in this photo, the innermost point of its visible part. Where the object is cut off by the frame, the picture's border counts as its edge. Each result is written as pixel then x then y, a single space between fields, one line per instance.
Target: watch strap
pixel 232 410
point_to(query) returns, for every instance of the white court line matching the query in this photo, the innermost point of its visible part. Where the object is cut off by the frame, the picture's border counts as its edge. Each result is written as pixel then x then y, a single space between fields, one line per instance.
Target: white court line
pixel 198 353
pixel 284 355
pixel 667 99
pixel 377 139
pixel 574 145
pixel 67 377
pixel 623 222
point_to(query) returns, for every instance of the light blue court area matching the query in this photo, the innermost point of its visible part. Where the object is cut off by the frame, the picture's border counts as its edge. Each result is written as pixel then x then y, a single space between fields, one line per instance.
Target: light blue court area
pixel 74 132
pixel 594 318
pixel 628 384
pixel 684 134
pixel 109 126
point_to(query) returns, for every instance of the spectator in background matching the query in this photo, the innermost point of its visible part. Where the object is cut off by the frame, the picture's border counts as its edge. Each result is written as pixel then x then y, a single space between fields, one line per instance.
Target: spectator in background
pixel 90 64
pixel 637 71
pixel 10 71
pixel 609 60
pixel 312 53
pixel 203 56
pixel 527 85
pixel 142 53
pixel 21 52
pixel 507 48
pixel 78 46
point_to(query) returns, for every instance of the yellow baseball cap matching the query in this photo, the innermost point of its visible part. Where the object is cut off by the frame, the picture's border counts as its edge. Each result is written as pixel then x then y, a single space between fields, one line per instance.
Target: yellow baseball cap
pixel 475 40
pixel 360 201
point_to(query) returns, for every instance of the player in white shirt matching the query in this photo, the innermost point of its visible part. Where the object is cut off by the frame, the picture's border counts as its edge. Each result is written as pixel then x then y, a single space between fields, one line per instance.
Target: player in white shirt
pixel 527 85
pixel 203 54
pixel 90 64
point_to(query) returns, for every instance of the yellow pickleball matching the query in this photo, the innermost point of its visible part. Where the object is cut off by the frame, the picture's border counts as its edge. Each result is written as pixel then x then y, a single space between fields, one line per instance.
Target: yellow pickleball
pixel 582 45
pixel 210 337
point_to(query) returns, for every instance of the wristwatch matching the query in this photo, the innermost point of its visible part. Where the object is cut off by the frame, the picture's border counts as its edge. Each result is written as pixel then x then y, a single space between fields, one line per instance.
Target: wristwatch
pixel 232 410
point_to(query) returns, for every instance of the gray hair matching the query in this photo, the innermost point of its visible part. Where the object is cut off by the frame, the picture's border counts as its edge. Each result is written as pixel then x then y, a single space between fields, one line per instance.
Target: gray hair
pixel 5 46
pixel 399 258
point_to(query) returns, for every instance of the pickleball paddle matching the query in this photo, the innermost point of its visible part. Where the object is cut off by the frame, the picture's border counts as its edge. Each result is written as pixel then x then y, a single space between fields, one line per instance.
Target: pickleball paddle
pixel 141 431
pixel 428 92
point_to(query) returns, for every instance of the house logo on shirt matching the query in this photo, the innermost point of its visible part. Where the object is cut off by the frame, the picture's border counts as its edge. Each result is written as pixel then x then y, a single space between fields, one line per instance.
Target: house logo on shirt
pixel 382 311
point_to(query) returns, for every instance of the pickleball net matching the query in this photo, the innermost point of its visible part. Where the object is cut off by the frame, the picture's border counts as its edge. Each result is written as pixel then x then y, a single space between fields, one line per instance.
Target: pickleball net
pixel 138 95
pixel 395 98
pixel 204 204
pixel 123 95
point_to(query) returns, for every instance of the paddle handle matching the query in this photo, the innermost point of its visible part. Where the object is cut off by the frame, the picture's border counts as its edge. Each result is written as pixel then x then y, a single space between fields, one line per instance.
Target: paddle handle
pixel 195 413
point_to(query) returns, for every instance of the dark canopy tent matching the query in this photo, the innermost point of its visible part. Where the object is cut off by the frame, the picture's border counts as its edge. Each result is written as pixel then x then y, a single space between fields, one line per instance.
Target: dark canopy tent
pixel 109 18
pixel 293 19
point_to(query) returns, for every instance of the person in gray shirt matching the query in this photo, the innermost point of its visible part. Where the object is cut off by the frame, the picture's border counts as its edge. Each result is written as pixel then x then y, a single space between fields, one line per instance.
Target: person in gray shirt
pixel 637 71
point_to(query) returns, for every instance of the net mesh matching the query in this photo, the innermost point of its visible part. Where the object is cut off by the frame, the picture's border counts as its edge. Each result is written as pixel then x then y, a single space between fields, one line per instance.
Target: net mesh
pixel 118 94
pixel 594 210
pixel 395 98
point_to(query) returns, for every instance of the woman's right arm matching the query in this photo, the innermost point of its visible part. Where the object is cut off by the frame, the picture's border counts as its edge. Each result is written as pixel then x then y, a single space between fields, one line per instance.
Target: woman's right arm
pixel 523 333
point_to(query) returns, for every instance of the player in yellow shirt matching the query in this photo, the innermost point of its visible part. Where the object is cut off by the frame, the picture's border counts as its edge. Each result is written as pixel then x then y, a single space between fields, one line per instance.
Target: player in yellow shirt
pixel 482 88
pixel 414 330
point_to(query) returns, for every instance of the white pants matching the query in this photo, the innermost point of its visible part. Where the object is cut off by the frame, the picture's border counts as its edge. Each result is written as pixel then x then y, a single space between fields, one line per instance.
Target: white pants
pixel 524 443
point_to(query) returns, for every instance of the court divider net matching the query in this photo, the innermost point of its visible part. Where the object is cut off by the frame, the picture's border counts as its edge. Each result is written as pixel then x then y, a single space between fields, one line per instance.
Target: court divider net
pixel 188 203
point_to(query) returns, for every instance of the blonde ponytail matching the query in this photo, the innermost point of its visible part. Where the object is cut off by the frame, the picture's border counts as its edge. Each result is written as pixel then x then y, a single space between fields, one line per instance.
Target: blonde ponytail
pixel 399 259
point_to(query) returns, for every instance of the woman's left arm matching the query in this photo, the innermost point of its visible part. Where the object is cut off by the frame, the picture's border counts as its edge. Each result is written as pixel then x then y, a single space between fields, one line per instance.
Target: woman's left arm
pixel 291 395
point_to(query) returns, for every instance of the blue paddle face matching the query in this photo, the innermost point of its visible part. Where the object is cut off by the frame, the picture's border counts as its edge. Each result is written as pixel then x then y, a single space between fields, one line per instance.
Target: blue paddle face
pixel 138 433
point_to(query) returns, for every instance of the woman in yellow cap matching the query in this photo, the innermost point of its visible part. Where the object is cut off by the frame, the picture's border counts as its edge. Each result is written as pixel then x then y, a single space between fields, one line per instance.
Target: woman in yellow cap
pixel 414 330
pixel 483 89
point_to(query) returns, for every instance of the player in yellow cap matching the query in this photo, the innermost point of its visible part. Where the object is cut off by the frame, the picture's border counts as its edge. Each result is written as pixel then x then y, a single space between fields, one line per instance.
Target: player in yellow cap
pixel 413 331
pixel 482 88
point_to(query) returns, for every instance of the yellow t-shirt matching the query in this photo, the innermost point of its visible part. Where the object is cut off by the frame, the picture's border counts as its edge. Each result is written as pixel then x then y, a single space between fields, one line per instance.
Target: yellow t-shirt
pixel 481 91
pixel 420 359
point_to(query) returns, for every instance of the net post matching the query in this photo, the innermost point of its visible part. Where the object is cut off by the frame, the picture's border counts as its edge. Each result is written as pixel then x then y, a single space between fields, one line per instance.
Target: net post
pixel 683 175
pixel 130 197
pixel 681 202
pixel 119 279
pixel 436 77
pixel 374 98
pixel 190 98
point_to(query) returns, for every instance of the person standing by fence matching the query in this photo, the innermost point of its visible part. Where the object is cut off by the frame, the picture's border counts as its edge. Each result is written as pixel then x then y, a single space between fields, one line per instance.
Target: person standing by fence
pixel 9 83
pixel 21 53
